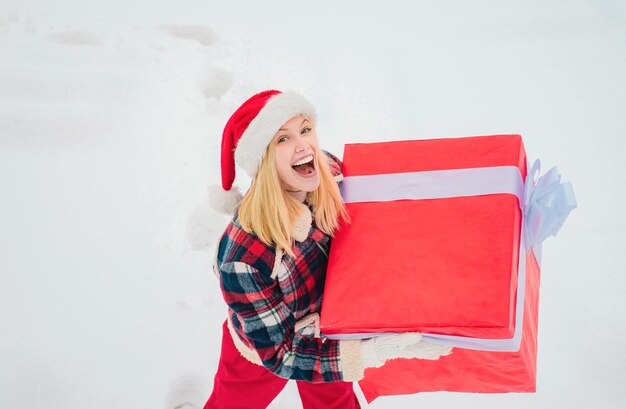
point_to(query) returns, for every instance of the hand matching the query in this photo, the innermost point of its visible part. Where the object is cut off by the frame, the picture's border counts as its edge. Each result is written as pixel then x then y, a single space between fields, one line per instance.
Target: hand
pixel 377 350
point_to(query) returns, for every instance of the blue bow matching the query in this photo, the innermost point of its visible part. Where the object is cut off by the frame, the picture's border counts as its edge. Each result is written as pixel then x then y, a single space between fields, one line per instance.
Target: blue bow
pixel 547 203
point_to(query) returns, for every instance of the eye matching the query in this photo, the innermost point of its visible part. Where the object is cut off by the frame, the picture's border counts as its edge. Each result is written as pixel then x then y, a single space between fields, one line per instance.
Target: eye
pixel 282 139
pixel 306 130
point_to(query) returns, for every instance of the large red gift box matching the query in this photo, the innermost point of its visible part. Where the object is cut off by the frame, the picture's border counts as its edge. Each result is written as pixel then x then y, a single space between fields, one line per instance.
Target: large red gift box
pixel 440 263
pixel 467 370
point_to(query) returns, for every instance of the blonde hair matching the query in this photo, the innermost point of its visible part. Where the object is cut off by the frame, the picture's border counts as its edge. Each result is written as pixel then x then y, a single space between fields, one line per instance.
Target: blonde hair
pixel 271 212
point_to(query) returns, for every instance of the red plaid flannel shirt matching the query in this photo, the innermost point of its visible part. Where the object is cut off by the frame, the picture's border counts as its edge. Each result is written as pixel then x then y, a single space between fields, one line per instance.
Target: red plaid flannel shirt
pixel 264 308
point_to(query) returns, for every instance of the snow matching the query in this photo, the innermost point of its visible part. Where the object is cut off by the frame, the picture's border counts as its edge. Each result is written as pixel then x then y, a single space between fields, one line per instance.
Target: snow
pixel 110 123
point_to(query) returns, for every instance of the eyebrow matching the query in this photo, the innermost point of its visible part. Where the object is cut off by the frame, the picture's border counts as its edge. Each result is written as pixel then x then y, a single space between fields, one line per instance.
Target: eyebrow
pixel 303 121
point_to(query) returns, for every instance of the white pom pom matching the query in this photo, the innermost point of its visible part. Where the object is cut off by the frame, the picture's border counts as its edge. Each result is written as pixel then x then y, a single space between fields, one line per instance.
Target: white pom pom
pixel 224 201
pixel 211 216
pixel 204 226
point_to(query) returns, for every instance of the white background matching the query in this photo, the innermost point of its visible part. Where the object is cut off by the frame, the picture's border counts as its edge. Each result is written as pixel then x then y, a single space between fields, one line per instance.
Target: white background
pixel 110 122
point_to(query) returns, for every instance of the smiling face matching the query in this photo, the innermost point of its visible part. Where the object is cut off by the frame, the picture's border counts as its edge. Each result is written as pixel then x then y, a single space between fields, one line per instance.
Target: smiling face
pixel 296 156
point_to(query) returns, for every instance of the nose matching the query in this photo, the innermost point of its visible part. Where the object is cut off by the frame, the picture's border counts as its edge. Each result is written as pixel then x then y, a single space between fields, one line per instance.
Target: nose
pixel 301 145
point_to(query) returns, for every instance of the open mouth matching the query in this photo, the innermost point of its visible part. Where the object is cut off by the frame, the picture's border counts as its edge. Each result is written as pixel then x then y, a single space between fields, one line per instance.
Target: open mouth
pixel 305 166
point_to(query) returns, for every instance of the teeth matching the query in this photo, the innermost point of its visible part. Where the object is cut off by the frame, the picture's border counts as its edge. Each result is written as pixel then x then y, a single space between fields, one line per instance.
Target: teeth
pixel 303 161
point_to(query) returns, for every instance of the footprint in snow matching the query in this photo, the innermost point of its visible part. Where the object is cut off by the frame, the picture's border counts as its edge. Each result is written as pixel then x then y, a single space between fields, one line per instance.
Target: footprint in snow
pixel 216 83
pixel 201 33
pixel 75 38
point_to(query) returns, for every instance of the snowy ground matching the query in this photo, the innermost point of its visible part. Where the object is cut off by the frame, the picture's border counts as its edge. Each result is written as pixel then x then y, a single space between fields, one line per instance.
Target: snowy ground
pixel 110 122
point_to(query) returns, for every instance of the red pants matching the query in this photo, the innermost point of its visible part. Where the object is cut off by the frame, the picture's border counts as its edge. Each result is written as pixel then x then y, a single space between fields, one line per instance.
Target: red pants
pixel 241 384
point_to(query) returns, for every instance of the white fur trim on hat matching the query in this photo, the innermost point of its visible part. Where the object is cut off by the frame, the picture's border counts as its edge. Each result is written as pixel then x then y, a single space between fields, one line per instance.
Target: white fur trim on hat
pixel 278 109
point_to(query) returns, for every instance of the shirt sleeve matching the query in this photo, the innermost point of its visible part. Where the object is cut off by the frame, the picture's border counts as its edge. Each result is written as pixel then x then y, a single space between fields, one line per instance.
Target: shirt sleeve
pixel 335 166
pixel 267 325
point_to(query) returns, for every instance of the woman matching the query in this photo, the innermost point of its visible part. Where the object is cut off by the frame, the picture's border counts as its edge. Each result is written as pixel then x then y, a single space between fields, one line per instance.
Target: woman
pixel 271 262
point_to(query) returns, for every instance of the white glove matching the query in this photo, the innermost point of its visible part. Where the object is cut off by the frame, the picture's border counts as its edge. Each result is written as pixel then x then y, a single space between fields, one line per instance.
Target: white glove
pixel 377 350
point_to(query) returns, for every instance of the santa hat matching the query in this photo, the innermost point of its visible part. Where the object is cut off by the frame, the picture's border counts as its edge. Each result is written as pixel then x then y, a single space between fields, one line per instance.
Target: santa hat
pixel 246 136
